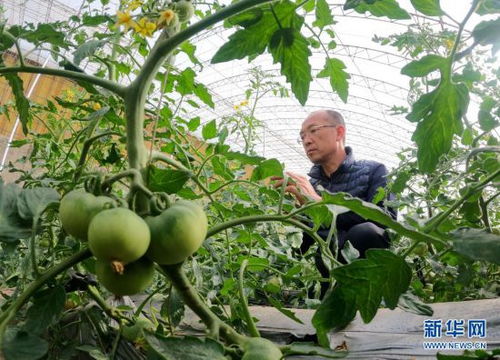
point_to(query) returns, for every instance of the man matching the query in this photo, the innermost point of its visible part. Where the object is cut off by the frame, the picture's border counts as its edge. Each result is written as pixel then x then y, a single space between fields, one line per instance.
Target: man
pixel 335 169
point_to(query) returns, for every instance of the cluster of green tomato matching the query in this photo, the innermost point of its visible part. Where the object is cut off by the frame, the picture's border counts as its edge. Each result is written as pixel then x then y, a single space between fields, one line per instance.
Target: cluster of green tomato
pixel 126 245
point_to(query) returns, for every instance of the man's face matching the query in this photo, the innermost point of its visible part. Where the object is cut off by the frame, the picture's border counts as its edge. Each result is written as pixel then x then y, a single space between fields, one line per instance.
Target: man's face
pixel 320 137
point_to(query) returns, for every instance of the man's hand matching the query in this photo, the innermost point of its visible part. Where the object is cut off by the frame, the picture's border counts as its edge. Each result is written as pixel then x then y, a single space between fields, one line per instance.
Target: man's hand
pixel 299 186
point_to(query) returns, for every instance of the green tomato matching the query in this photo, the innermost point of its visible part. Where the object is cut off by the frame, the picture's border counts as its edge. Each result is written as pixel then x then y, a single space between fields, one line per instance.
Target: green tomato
pixel 136 276
pixel 261 349
pixel 273 285
pixel 77 209
pixel 177 232
pixel 421 249
pixel 119 235
pixel 184 10
pixel 136 331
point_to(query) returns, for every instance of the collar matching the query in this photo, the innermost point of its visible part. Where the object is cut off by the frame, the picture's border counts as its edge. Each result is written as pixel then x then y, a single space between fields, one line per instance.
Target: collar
pixel 317 172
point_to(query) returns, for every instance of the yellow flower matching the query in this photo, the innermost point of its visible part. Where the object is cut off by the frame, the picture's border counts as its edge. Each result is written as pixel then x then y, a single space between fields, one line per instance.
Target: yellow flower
pixel 449 44
pixel 166 16
pixel 96 106
pixel 145 27
pixel 70 95
pixel 244 103
pixel 124 18
pixel 236 107
pixel 134 4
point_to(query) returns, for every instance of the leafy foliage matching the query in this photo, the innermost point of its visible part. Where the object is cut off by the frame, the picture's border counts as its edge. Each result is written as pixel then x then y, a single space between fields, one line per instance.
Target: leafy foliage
pixel 361 285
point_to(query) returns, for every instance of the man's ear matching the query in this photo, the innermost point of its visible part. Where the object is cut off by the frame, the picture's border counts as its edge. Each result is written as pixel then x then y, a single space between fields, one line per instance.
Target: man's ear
pixel 341 132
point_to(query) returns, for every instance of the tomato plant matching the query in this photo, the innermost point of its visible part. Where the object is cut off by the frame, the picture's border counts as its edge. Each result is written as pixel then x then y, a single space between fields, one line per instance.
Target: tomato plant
pixel 121 166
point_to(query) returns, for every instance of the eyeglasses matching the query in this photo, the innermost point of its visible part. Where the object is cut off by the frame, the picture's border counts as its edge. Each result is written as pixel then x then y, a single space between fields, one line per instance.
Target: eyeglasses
pixel 311 132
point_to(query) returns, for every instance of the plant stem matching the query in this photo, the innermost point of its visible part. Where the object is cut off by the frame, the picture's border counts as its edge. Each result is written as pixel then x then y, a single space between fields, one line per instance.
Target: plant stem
pixel 136 92
pixel 192 299
pixel 86 147
pixel 252 329
pixel 16 43
pixel 94 294
pixel 476 151
pixel 433 223
pixel 282 193
pixel 50 273
pixel 281 218
pixel 34 264
pixel 104 83
pixel 457 39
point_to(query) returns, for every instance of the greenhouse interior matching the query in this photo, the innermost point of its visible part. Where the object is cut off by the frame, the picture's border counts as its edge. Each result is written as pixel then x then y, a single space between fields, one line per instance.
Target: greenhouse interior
pixel 249 179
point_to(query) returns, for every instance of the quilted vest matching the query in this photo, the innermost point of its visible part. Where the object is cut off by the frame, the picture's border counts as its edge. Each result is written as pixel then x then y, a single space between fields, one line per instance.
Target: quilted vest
pixel 352 176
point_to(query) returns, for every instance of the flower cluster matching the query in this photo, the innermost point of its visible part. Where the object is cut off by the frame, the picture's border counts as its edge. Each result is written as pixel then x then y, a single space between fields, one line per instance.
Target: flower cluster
pixel 144 25
pixel 240 105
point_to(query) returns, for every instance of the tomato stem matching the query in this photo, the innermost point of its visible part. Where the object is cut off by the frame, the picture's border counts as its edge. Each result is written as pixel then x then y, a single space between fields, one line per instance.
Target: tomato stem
pixel 192 299
pixel 252 329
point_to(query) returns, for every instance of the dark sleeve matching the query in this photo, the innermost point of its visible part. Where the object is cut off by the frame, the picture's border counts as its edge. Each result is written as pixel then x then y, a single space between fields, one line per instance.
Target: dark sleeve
pixel 378 179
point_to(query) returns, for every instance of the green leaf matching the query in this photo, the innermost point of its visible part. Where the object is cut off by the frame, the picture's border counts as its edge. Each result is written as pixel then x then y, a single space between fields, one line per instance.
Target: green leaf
pixel 477 244
pixel 270 167
pixel 194 123
pixel 396 269
pixel 190 50
pixel 427 7
pixel 440 113
pixel 361 285
pixel 399 183
pixel 221 169
pixel 351 4
pixel 290 48
pixel 250 41
pixel 245 18
pixel 12 226
pixel 90 20
pixel 488 7
pixel 21 345
pixel 320 215
pixel 173 307
pixel 305 348
pixel 334 69
pixel 336 311
pixel 309 6
pixel 379 8
pixel 467 137
pixel 46 33
pixel 187 348
pixel 209 130
pixel 288 313
pixel 22 103
pixel 47 305
pixel 349 252
pixel 486 120
pixel 167 180
pixel 185 82
pixel 253 40
pixel 409 302
pixel 424 66
pixel 202 93
pixel 87 49
pixel 488 32
pixel 113 155
pixel 244 158
pixel 323 14
pixel 93 351
pixel 31 202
